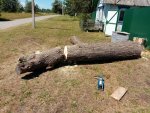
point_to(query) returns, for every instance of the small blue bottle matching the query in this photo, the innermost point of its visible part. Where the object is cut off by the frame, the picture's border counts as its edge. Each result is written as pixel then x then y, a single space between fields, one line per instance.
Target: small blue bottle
pixel 100 83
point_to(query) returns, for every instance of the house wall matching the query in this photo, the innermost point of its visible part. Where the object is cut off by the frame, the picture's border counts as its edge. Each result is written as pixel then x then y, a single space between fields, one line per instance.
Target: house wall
pixel 108 15
pixel 137 23
pixel 110 18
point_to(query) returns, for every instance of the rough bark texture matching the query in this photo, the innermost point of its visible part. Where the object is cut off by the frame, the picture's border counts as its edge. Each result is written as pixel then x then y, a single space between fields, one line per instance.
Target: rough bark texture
pixel 37 61
pixel 80 53
pixel 103 52
pixel 75 40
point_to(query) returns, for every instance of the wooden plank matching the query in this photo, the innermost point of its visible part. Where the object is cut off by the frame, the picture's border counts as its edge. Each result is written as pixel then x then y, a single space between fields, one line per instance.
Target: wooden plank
pixel 119 93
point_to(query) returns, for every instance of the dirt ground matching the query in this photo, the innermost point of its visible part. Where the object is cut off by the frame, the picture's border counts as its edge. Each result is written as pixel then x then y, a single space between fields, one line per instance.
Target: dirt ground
pixel 70 89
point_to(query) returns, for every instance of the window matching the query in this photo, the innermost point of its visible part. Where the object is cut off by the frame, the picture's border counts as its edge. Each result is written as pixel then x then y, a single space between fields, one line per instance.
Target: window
pixel 121 16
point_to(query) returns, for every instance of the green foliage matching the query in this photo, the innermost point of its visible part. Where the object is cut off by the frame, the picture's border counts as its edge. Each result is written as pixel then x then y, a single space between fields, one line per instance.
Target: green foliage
pixel 57 7
pixel 0 4
pixel 28 7
pixel 10 6
pixel 45 10
pixel 73 7
pixel 20 8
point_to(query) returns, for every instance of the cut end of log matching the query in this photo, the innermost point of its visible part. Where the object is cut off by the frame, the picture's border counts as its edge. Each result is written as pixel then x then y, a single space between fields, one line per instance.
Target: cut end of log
pixel 65 52
pixel 37 52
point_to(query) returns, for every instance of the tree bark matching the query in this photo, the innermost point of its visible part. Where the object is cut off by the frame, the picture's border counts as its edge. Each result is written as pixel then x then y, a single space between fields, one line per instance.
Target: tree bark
pixel 103 52
pixel 36 61
pixel 80 54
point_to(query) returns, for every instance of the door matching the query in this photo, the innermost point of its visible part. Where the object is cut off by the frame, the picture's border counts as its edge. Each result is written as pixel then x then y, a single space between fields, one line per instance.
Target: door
pixel 111 22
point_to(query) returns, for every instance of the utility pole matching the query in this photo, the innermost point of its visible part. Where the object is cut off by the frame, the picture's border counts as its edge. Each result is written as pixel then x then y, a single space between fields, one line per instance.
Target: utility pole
pixel 33 15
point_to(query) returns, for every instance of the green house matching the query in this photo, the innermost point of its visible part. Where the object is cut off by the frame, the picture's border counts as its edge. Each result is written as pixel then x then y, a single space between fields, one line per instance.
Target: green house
pixel 110 13
pixel 137 23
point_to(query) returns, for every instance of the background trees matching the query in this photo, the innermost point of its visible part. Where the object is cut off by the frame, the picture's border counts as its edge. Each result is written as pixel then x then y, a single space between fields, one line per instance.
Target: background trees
pixel 28 7
pixel 10 5
pixel 0 6
pixel 73 7
pixel 57 7
pixel 15 6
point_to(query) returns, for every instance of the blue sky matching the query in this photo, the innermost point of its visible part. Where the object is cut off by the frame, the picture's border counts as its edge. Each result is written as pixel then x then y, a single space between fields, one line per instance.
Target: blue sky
pixel 47 4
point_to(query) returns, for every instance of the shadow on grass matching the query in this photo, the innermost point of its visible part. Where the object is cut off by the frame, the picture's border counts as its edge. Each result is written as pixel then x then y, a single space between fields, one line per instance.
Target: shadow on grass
pixel 33 74
pixel 4 19
pixel 54 28
pixel 37 73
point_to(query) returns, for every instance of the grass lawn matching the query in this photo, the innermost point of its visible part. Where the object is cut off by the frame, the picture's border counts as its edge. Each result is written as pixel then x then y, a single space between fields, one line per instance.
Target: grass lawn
pixel 11 16
pixel 70 89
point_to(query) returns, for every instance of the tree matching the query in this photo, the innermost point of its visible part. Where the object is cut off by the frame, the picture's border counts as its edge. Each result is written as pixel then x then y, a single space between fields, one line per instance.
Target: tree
pixel 28 7
pixel 57 7
pixel 37 8
pixel 45 10
pixel 0 7
pixel 10 5
pixel 20 8
pixel 78 6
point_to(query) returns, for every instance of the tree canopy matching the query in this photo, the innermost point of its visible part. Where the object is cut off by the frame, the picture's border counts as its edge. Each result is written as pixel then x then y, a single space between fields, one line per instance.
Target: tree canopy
pixel 28 7
pixel 10 5
pixel 57 6
pixel 78 6
pixel 15 6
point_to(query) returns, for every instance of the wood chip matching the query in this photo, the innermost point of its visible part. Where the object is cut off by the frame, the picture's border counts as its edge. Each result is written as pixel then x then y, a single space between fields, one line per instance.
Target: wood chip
pixel 119 93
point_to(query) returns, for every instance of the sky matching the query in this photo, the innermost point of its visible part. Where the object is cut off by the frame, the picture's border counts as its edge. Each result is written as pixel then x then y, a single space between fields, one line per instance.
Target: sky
pixel 47 4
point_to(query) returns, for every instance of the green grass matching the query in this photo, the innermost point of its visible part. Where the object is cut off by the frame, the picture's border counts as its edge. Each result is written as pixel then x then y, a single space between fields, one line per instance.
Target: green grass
pixel 67 89
pixel 51 33
pixel 11 16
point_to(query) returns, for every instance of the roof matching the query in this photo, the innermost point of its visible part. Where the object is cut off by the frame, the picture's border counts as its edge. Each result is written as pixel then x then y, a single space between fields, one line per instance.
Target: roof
pixel 129 2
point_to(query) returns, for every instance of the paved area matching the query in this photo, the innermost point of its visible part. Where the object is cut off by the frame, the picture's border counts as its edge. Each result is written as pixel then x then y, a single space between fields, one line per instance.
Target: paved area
pixel 17 22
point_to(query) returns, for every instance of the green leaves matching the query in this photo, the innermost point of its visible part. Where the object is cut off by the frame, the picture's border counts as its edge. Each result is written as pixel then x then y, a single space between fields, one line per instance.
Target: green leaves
pixel 78 6
pixel 57 7
pixel 10 5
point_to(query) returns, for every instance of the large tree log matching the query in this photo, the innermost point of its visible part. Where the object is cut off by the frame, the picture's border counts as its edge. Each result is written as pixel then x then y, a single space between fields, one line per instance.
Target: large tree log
pixel 80 53
pixel 39 60
pixel 103 52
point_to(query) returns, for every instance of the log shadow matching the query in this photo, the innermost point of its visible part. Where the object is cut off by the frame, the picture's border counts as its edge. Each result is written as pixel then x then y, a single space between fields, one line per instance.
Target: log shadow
pixel 55 28
pixel 104 61
pixel 39 72
pixel 4 19
pixel 34 74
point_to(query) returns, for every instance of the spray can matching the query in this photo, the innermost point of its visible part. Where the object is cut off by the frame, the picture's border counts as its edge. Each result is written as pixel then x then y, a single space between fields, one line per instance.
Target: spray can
pixel 100 83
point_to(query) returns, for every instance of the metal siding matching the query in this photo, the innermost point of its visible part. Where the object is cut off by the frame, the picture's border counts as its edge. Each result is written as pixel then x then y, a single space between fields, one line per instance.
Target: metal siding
pixel 93 15
pixel 137 23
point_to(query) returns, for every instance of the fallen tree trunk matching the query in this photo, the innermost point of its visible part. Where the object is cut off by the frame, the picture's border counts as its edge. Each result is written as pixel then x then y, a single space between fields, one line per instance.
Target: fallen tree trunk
pixel 102 52
pixel 80 54
pixel 39 60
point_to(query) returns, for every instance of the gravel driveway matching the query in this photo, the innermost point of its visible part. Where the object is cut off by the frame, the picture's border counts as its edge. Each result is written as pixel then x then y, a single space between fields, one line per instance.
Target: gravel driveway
pixel 17 22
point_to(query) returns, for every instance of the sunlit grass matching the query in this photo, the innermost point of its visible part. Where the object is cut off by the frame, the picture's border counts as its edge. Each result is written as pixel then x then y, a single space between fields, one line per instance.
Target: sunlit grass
pixel 70 89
